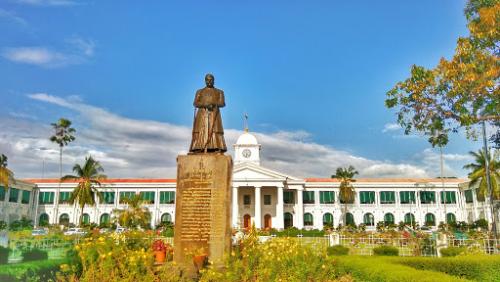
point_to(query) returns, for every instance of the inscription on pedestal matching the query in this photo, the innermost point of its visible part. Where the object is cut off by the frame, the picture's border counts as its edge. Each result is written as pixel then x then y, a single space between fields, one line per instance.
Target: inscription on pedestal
pixel 203 206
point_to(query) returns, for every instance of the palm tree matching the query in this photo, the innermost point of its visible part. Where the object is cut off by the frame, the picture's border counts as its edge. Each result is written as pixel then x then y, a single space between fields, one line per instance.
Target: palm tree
pixel 88 176
pixel 135 214
pixel 477 175
pixel 6 175
pixel 347 193
pixel 64 134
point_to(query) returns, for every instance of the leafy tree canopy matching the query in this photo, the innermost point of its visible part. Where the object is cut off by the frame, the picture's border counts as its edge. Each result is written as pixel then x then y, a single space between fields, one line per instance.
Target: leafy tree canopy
pixel 461 91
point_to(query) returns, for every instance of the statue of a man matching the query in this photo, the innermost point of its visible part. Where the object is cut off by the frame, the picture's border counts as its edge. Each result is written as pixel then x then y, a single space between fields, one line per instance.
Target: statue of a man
pixel 208 134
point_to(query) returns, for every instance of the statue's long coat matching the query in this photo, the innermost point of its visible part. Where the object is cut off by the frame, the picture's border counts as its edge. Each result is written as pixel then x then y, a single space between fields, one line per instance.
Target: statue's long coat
pixel 208 132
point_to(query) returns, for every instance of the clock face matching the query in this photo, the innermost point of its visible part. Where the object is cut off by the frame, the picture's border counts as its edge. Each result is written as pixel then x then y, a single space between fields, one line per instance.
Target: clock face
pixel 246 153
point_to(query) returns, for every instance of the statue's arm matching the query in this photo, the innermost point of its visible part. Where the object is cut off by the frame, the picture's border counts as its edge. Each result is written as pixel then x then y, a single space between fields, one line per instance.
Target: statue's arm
pixel 197 99
pixel 222 101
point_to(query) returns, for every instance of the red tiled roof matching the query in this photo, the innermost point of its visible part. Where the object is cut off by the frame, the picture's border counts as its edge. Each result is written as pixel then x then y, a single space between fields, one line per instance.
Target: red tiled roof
pixel 419 180
pixel 110 180
pixel 173 180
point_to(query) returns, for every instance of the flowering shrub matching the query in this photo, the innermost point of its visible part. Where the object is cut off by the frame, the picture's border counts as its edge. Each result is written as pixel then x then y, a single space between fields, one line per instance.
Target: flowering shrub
pixel 279 259
pixel 159 246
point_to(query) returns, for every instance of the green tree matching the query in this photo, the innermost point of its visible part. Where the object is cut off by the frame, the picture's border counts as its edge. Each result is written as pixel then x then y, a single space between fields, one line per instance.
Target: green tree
pixel 136 214
pixel 63 135
pixel 459 92
pixel 88 177
pixel 347 193
pixel 477 175
pixel 6 175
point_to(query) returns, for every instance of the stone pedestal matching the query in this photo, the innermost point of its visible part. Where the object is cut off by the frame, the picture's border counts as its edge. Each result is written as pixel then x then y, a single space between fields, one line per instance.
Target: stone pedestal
pixel 203 208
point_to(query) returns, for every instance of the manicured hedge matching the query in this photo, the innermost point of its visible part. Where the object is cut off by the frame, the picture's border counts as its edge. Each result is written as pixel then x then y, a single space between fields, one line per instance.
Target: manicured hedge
pixel 452 251
pixel 337 250
pixel 381 270
pixel 386 251
pixel 30 271
pixel 477 267
pixel 4 255
pixel 34 254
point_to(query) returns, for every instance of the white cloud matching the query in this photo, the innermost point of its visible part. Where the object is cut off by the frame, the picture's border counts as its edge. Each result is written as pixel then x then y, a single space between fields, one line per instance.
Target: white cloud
pixel 48 2
pixel 36 56
pixel 11 16
pixel 79 52
pixel 391 127
pixel 86 46
pixel 144 148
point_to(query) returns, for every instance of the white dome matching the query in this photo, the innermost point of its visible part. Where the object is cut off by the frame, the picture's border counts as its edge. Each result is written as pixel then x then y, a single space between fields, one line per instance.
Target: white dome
pixel 247 139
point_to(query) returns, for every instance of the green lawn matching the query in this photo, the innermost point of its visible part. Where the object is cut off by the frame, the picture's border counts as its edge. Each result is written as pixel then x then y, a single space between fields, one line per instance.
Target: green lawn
pixel 43 269
pixel 377 268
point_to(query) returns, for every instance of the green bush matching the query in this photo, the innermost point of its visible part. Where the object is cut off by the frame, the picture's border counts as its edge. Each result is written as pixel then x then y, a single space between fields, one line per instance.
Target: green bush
pixel 34 254
pixel 382 270
pixel 337 250
pixel 30 271
pixel 386 251
pixel 478 267
pixel 4 255
pixel 452 251
pixel 3 225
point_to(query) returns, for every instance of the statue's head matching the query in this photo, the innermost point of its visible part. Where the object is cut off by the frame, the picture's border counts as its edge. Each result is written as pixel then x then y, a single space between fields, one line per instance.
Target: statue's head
pixel 209 80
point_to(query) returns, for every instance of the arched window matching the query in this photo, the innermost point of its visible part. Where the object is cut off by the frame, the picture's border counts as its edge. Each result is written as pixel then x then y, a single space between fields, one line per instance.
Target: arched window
pixel 328 219
pixel 349 219
pixel 166 218
pixel 104 218
pixel 43 220
pixel 308 219
pixel 389 218
pixel 288 220
pixel 409 219
pixel 450 218
pixel 86 218
pixel 64 219
pixel 430 219
pixel 368 219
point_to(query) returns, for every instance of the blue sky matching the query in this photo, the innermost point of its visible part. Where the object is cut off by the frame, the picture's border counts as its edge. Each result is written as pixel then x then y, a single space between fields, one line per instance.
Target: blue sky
pixel 309 75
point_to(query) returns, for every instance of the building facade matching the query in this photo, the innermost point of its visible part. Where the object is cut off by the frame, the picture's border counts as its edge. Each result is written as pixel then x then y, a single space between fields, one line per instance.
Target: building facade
pixel 17 202
pixel 271 199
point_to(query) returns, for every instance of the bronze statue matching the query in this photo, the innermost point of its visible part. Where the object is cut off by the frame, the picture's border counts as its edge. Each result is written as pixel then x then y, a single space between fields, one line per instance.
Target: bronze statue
pixel 208 134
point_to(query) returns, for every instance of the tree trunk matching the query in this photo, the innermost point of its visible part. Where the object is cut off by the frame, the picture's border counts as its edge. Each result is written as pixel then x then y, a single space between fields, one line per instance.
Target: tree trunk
pixel 81 215
pixel 59 186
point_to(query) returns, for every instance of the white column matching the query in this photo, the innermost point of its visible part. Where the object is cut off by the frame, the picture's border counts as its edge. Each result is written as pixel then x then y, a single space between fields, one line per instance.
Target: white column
pixel 300 208
pixel 258 208
pixel 279 209
pixel 235 215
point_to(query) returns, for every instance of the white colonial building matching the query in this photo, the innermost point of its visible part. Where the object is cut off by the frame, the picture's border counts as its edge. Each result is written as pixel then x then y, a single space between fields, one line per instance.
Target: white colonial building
pixel 17 202
pixel 271 199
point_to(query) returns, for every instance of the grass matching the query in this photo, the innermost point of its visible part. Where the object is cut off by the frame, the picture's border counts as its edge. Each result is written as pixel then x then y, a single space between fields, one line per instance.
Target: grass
pixel 379 269
pixel 477 267
pixel 43 269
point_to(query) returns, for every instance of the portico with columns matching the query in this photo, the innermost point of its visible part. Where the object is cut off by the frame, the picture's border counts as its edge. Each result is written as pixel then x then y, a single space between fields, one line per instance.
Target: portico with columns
pixel 258 192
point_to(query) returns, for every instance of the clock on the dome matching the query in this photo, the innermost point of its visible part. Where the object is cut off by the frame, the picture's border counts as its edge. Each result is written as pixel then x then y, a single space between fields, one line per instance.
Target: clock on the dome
pixel 246 153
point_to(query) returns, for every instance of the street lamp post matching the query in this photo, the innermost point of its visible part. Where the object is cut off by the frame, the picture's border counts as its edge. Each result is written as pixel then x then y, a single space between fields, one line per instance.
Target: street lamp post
pixel 488 181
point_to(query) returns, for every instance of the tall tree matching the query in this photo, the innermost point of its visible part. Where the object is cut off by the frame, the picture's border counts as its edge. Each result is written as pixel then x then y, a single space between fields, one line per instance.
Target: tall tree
pixel 477 175
pixel 136 214
pixel 88 176
pixel 347 193
pixel 459 92
pixel 63 135
pixel 6 175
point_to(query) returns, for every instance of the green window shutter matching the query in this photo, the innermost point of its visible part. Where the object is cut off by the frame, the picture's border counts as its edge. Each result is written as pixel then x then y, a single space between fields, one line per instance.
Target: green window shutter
pixel 64 197
pixel 308 219
pixel 469 196
pixel 13 195
pixel 327 197
pixel 2 193
pixel 148 196
pixel 308 197
pixel 288 197
pixel 46 198
pixel 167 197
pixel 25 199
